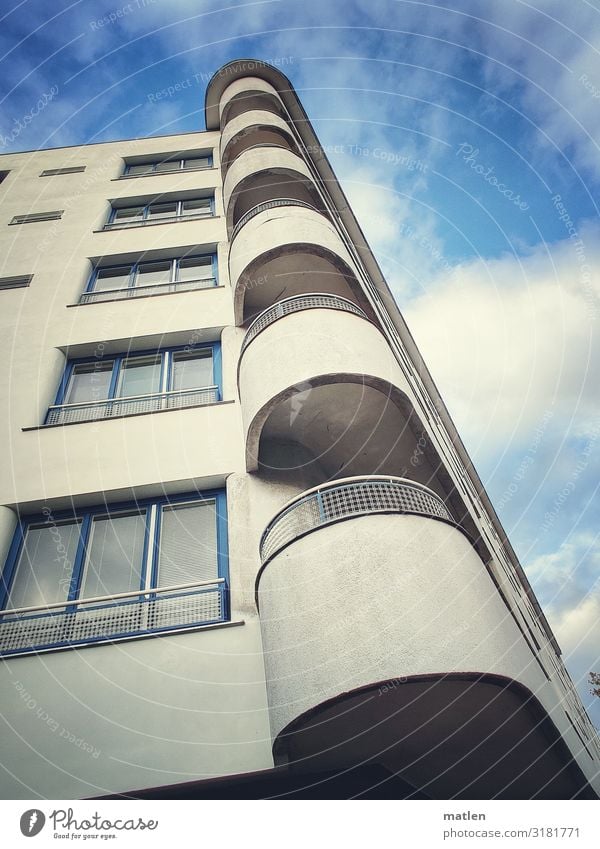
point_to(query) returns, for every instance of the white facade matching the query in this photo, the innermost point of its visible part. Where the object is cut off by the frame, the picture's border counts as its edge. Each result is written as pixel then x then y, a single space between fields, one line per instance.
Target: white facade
pixel 383 573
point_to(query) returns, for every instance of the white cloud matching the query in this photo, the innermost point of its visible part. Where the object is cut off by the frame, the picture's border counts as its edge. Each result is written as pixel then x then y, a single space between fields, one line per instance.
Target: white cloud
pixel 578 632
pixel 508 339
pixel 553 46
pixel 563 578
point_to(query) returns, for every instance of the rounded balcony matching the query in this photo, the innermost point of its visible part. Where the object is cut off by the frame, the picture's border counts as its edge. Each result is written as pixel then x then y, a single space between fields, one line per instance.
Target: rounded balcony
pixel 256 128
pixel 317 379
pixel 297 303
pixel 249 94
pixel 286 247
pixel 265 173
pixel 386 641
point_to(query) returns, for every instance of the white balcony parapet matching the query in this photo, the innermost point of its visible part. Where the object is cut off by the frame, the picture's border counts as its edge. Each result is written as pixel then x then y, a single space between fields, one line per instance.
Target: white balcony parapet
pixel 107 618
pixel 228 162
pixel 144 291
pixel 312 300
pixel 269 204
pixel 86 411
pixel 345 499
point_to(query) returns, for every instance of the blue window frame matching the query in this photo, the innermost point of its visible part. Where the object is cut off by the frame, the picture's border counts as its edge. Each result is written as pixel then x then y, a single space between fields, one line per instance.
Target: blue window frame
pixel 138 382
pixel 189 162
pixel 154 551
pixel 160 211
pixel 152 276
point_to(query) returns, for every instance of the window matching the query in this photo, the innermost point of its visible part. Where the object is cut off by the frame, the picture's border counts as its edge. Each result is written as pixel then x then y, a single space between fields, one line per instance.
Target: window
pixel 168 165
pixel 155 565
pixel 37 216
pixel 18 282
pixel 52 172
pixel 130 384
pixel 157 212
pixel 154 277
pixel 3 175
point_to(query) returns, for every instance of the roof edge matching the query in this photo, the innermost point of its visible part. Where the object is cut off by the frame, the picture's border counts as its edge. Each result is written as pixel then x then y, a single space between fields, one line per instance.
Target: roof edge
pixel 233 71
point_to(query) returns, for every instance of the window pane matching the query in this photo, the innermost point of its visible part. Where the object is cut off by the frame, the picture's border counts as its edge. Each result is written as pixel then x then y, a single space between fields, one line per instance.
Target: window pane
pixel 144 168
pixel 114 555
pixel 197 206
pixel 190 371
pixel 139 376
pixel 45 567
pixel 172 165
pixel 129 213
pixel 112 278
pixel 198 268
pixel 188 544
pixel 89 382
pixel 151 273
pixel 162 210
pixel 198 162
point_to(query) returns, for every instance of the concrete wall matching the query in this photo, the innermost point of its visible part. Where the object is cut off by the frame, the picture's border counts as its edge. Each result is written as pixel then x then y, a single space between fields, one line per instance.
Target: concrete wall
pixel 157 711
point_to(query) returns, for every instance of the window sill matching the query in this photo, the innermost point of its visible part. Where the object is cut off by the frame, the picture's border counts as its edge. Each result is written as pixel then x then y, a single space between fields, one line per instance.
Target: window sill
pixel 140 297
pixel 192 629
pixel 125 415
pixel 162 173
pixel 142 226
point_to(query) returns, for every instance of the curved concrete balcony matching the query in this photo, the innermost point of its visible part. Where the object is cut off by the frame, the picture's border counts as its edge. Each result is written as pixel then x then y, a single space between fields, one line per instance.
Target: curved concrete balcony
pixel 285 247
pixel 347 499
pixel 276 203
pixel 386 641
pixel 248 122
pixel 250 93
pixel 311 301
pixel 243 182
pixel 323 376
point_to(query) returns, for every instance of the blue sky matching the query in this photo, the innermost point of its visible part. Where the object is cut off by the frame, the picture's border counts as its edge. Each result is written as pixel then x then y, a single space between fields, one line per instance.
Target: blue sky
pixel 453 128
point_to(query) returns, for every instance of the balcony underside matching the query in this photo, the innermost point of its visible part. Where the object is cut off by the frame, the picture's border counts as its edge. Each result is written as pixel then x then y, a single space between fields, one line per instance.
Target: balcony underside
pixel 349 425
pixel 294 270
pixel 450 736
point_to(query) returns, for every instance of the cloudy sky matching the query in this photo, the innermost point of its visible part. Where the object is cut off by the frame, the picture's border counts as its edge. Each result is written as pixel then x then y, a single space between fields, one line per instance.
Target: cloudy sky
pixel 466 136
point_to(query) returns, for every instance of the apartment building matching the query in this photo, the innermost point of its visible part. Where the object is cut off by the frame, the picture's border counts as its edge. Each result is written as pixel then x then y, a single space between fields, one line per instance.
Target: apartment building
pixel 244 550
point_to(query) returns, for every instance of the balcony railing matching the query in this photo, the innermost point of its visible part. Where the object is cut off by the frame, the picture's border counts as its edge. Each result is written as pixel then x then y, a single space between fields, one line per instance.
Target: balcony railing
pixel 108 618
pixel 269 204
pixel 145 291
pixel 346 499
pixel 87 411
pixel 297 303
pixel 156 219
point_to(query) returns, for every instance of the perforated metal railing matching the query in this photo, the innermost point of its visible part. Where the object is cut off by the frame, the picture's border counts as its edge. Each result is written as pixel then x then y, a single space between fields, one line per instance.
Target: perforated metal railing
pixel 345 500
pixel 110 618
pixel 89 411
pixel 314 300
pixel 269 204
pixel 141 291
